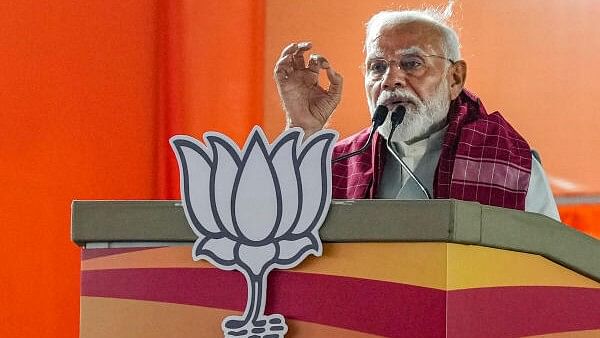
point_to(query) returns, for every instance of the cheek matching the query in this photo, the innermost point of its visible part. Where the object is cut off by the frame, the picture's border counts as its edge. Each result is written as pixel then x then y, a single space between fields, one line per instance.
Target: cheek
pixel 373 90
pixel 429 89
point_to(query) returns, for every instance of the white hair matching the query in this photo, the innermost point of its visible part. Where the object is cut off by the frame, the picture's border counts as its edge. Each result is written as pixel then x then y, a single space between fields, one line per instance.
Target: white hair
pixel 435 16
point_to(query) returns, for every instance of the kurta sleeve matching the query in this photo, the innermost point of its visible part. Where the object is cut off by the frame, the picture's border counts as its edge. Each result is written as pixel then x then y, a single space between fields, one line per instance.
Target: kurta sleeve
pixel 539 197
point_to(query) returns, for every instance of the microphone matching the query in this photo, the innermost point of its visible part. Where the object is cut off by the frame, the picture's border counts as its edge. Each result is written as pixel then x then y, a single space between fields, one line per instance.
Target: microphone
pixel 397 118
pixel 378 118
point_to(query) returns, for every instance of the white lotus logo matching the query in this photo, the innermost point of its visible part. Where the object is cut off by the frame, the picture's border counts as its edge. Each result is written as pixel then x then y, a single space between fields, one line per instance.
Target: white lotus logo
pixel 256 209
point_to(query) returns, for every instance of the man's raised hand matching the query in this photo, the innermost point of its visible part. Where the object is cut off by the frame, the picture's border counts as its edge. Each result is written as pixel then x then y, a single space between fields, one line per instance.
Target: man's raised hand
pixel 306 103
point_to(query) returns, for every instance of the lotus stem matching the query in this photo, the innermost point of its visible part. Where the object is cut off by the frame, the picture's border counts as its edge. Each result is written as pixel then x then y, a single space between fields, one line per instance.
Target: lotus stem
pixel 255 307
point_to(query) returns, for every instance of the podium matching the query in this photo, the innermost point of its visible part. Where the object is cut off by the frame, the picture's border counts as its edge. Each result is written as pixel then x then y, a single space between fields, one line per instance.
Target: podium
pixel 390 268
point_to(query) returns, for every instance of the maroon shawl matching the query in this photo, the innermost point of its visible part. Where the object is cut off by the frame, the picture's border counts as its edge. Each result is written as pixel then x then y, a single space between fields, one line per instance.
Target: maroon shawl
pixel 483 159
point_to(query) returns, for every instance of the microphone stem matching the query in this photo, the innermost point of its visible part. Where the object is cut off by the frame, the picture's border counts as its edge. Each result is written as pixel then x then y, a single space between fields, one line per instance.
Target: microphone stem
pixel 378 118
pixel 404 166
pixel 362 149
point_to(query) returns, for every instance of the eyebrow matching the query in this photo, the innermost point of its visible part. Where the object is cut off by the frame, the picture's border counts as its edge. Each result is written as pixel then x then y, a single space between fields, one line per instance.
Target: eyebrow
pixel 410 50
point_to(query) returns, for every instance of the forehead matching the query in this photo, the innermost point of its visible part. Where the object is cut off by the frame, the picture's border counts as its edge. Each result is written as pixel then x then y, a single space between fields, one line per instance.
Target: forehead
pixel 394 39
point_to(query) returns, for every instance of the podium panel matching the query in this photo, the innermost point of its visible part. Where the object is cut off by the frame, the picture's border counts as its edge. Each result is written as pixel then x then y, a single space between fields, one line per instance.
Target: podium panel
pixel 354 290
pixel 416 283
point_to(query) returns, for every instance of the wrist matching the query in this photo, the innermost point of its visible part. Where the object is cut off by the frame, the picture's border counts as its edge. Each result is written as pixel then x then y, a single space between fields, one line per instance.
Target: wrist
pixel 308 131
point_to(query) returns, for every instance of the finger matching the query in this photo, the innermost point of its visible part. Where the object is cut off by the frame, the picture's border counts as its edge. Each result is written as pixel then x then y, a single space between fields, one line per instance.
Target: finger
pixel 293 47
pixel 299 62
pixel 336 81
pixel 315 63
pixel 290 49
pixel 281 74
pixel 283 67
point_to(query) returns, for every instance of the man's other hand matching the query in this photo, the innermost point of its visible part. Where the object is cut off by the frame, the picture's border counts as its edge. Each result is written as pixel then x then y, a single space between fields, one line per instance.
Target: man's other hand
pixel 306 103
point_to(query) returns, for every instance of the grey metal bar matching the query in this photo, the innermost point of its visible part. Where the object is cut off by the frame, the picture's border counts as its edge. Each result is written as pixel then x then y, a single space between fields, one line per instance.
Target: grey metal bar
pixel 448 221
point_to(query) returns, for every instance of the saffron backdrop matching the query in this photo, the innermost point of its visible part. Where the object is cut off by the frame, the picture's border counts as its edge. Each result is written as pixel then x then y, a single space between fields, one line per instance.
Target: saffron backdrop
pixel 91 91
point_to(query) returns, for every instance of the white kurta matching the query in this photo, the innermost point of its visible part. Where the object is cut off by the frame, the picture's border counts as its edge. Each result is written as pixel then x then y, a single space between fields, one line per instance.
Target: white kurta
pixel 422 158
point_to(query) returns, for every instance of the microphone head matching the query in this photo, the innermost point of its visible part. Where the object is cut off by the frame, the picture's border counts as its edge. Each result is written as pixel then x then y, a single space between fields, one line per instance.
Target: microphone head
pixel 398 115
pixel 379 116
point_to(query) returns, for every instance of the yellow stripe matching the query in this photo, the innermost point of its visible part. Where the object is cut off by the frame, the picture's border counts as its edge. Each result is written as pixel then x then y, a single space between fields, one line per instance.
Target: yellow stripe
pixel 173 256
pixel 570 334
pixel 421 264
pixel 124 318
pixel 471 266
pixel 434 265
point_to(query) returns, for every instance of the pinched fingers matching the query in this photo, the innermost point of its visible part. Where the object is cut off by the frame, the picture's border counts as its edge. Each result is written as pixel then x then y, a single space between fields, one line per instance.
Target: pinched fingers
pixel 296 49
pixel 298 55
pixel 292 57
pixel 318 62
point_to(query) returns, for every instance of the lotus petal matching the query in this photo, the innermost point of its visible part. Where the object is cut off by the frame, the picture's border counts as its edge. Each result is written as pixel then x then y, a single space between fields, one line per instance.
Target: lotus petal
pixel 257 257
pixel 194 167
pixel 316 185
pixel 256 197
pixel 291 250
pixel 285 162
pixel 220 250
pixel 225 168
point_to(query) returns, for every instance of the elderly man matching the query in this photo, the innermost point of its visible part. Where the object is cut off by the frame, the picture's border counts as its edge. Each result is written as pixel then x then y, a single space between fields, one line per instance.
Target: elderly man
pixel 447 139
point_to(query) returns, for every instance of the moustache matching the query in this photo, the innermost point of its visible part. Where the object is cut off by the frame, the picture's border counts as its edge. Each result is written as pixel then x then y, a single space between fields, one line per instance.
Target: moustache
pixel 398 96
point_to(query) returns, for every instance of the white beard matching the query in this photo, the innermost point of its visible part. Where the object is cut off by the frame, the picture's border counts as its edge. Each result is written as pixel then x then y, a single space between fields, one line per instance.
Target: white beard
pixel 422 117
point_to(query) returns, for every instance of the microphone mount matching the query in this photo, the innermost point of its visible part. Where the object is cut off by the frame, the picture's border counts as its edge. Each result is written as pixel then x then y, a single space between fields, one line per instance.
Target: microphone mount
pixel 397 118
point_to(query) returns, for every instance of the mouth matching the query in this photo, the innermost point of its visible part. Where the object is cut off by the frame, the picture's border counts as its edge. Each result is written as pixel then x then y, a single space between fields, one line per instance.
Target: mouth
pixel 394 104
pixel 394 99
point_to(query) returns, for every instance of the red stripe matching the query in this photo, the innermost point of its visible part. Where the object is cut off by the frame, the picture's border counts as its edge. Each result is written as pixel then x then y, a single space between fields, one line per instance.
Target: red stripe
pixel 375 307
pixel 169 115
pixel 522 311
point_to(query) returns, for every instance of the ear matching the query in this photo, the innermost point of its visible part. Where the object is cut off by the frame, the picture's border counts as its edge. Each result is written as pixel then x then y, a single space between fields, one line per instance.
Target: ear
pixel 457 74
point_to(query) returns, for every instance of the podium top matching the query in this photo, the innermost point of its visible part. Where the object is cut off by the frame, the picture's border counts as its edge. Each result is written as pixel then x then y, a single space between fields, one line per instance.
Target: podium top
pixel 450 221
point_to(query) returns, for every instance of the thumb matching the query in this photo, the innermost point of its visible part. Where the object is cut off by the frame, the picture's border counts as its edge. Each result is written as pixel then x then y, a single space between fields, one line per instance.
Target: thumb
pixel 335 80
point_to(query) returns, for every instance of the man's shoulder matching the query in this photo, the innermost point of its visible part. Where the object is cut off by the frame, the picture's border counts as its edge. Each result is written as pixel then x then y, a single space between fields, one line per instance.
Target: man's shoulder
pixel 480 121
pixel 492 122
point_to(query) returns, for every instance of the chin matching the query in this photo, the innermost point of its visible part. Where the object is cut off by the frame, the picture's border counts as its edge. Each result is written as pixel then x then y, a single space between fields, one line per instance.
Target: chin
pixel 415 126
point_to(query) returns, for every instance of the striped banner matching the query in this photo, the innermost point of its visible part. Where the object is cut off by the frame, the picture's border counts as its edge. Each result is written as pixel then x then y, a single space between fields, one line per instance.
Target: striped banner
pixel 354 290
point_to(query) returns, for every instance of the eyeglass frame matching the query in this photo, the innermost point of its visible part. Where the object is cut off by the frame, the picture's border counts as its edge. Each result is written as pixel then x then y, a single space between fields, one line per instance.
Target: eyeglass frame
pixel 398 63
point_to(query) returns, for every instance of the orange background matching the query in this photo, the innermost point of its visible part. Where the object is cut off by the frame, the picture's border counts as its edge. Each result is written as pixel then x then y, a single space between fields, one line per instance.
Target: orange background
pixel 90 93
pixel 91 90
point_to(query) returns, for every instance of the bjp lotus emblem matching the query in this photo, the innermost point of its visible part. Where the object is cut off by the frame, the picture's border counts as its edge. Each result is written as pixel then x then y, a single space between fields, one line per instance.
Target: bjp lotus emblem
pixel 255 209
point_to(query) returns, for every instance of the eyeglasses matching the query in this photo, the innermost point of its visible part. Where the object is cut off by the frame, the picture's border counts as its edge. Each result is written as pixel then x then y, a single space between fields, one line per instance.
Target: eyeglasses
pixel 412 64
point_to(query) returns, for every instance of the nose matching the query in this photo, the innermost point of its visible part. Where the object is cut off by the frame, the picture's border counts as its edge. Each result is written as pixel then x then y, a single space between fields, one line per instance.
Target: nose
pixel 393 78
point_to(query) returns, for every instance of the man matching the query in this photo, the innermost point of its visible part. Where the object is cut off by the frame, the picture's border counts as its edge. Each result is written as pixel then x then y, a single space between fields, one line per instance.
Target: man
pixel 447 139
